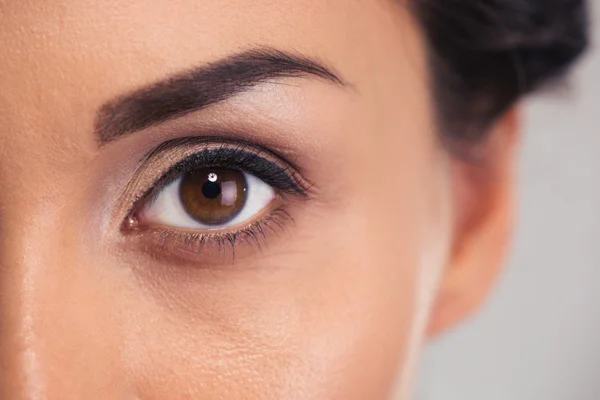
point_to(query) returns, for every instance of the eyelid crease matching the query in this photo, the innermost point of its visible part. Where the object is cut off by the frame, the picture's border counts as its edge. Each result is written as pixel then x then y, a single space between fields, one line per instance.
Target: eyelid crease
pixel 189 141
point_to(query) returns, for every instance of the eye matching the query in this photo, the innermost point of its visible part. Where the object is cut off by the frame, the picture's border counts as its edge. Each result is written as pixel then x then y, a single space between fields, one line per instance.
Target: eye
pixel 208 199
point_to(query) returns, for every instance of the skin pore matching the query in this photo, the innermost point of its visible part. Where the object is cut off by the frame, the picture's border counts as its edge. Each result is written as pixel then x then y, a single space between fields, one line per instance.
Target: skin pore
pixel 388 240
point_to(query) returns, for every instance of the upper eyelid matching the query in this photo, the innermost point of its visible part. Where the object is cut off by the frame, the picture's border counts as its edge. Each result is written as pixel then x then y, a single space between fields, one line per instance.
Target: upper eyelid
pixel 170 173
pixel 240 158
pixel 219 141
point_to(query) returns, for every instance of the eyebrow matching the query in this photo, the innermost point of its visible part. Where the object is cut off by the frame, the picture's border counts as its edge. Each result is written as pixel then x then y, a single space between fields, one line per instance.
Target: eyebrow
pixel 200 87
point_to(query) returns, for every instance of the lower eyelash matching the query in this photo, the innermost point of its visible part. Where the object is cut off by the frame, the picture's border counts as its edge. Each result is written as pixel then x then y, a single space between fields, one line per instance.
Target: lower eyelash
pixel 221 244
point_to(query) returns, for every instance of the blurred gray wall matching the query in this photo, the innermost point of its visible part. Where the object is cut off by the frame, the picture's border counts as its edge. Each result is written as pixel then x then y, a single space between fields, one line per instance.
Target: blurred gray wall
pixel 539 337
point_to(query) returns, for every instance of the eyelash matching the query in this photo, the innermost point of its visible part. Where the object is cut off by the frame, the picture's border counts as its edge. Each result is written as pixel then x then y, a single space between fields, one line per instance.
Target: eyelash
pixel 241 156
pixel 254 234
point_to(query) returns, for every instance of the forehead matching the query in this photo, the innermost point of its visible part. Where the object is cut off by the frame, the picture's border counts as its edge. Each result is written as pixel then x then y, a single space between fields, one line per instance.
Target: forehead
pixel 61 60
pixel 141 36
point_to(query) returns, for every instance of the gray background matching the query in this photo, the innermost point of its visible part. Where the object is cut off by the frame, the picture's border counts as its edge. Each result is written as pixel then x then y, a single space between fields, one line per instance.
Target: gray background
pixel 539 337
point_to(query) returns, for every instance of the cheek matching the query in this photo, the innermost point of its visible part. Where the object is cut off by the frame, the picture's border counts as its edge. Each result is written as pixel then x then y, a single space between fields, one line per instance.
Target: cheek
pixel 334 315
pixel 335 311
pixel 330 320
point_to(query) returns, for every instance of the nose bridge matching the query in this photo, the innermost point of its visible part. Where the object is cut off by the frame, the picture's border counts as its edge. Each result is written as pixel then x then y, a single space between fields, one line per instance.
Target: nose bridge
pixel 22 305
pixel 50 346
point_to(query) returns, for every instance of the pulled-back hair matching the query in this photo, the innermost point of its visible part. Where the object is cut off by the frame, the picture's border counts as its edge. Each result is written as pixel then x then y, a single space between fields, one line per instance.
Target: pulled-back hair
pixel 486 54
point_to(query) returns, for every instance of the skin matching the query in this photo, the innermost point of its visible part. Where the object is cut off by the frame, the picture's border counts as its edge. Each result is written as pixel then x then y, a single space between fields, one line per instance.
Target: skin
pixel 399 240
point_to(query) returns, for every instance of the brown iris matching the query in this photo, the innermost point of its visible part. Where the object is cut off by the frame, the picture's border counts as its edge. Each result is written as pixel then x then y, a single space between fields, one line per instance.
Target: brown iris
pixel 213 196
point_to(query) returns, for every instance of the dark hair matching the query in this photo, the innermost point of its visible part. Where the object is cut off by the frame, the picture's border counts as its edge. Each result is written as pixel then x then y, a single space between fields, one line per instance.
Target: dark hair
pixel 486 54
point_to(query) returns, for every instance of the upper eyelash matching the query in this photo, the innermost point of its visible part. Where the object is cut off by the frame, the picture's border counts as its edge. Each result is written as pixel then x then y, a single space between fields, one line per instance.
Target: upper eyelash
pixel 241 156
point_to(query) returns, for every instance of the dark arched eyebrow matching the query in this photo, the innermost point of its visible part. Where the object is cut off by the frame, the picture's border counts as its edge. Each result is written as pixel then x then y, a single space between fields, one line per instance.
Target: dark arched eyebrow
pixel 200 87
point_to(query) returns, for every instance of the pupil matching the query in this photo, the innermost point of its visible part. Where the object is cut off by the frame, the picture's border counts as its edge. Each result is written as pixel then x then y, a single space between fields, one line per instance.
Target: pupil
pixel 212 196
pixel 211 190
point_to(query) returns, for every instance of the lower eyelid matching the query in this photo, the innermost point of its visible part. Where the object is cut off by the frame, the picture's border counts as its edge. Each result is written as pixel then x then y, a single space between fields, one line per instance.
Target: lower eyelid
pixel 209 250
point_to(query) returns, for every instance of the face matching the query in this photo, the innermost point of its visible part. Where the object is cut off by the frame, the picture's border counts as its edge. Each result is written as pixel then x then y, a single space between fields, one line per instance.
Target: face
pixel 225 200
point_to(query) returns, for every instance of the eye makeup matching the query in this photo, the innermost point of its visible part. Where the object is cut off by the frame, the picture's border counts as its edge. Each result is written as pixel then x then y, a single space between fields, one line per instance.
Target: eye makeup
pixel 164 167
pixel 243 156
